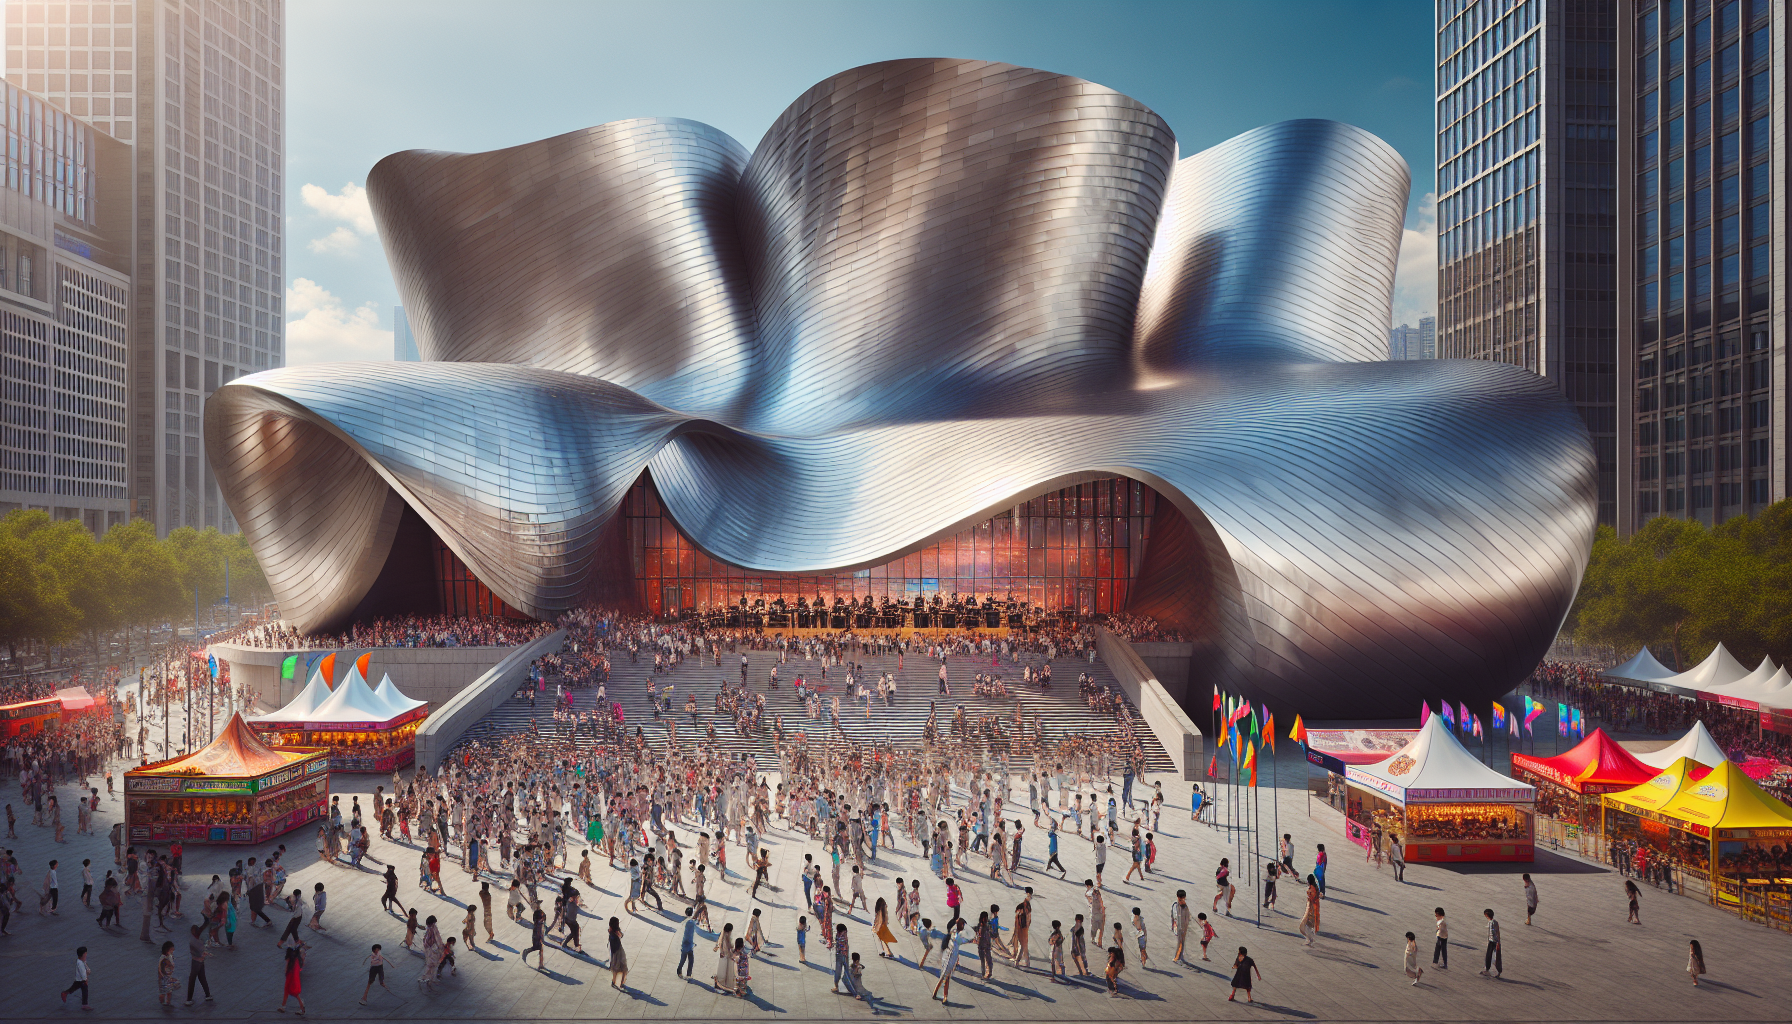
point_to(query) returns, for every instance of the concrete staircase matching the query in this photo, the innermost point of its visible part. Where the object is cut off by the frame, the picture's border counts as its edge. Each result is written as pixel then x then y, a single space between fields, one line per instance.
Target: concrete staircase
pixel 1062 709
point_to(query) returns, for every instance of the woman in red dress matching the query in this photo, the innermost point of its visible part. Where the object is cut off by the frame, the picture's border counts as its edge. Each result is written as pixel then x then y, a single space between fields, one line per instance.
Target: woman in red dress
pixel 295 965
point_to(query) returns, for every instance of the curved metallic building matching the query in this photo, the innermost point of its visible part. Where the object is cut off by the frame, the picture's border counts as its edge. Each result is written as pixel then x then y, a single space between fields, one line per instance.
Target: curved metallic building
pixel 937 288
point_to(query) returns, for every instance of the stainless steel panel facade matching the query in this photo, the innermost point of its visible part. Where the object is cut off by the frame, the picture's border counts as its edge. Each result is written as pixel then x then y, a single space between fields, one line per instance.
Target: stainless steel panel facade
pixel 939 287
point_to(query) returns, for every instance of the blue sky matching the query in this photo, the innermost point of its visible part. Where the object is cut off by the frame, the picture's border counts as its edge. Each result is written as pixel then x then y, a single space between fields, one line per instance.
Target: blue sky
pixel 370 77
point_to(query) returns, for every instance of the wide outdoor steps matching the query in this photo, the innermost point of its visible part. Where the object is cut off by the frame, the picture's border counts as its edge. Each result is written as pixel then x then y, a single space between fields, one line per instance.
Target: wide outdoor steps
pixel 1062 709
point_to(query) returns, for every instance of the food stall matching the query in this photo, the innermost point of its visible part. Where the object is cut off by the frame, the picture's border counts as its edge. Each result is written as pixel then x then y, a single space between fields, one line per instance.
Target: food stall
pixel 235 790
pixel 364 730
pixel 1570 784
pixel 1443 803
pixel 1718 827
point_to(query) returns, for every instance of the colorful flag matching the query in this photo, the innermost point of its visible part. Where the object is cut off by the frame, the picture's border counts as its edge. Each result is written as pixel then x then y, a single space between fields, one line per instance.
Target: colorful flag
pixel 1217 698
pixel 1424 713
pixel 1250 761
pixel 1477 730
pixel 1213 766
pixel 1579 725
pixel 1443 708
pixel 1562 719
pixel 328 669
pixel 1269 729
pixel 1462 716
pixel 1299 733
pixel 1254 733
pixel 1499 717
pixel 1531 710
pixel 289 666
pixel 1512 725
pixel 211 665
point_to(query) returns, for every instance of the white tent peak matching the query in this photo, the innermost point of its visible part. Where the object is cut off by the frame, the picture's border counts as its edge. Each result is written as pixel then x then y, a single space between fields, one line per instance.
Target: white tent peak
pixel 301 707
pixel 1718 669
pixel 388 695
pixel 1764 672
pixel 1697 744
pixel 1436 759
pixel 351 701
pixel 1641 668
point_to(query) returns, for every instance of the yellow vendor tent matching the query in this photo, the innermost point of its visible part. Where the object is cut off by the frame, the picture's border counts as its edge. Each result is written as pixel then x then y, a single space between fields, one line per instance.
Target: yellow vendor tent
pixel 1659 791
pixel 1727 801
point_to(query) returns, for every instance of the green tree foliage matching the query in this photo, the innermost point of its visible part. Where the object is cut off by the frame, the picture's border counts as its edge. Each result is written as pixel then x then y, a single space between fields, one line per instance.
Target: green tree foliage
pixel 58 584
pixel 1675 581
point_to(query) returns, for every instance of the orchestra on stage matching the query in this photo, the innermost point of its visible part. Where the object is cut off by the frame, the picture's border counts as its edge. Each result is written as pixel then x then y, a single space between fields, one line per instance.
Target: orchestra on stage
pixel 959 613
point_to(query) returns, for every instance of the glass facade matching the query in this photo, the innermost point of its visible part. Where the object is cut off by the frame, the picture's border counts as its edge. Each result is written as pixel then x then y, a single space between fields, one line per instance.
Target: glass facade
pixel 1701 122
pixel 1078 548
pixel 1526 136
pixel 197 88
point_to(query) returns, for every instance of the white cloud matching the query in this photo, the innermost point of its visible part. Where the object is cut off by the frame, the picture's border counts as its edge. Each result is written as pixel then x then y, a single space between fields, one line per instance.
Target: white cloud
pixel 1415 281
pixel 350 207
pixel 339 241
pixel 320 329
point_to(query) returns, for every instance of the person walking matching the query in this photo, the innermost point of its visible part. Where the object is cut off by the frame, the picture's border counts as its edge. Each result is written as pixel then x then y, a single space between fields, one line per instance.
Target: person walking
pixel 1241 975
pixel 1319 862
pixel 842 959
pixel 165 980
pixel 954 932
pixel 1413 970
pixel 196 964
pixel 1441 951
pixel 687 946
pixel 1495 963
pixel 1397 858
pixel 538 932
pixel 1635 894
pixel 376 972
pixel 295 979
pixel 80 982
pixel 1530 898
pixel 1309 922
pixel 618 957
pixel 1695 963
pixel 390 899
pixel 1179 920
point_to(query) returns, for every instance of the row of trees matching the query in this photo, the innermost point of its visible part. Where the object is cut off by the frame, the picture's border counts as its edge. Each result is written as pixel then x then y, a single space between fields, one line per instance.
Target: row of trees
pixel 1681 588
pixel 60 585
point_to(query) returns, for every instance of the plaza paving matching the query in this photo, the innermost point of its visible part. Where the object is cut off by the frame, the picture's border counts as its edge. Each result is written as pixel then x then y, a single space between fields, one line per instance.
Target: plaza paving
pixel 1581 961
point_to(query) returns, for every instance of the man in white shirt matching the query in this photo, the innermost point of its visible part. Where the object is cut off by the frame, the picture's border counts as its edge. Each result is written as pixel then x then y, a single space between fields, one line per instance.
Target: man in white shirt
pixel 51 893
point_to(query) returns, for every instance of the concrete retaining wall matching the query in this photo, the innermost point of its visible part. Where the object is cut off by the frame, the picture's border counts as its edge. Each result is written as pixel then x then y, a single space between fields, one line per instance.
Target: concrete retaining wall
pixel 448 721
pixel 1172 726
pixel 1170 663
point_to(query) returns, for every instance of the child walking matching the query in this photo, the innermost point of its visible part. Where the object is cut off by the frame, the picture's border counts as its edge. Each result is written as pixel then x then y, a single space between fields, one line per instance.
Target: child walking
pixel 376 971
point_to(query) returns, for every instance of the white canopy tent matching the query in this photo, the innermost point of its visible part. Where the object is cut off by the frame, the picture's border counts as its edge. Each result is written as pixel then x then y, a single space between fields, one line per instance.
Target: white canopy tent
pixel 1643 668
pixel 1697 744
pixel 1772 692
pixel 1760 675
pixel 1719 668
pixel 301 707
pixel 388 694
pixel 351 701
pixel 1436 768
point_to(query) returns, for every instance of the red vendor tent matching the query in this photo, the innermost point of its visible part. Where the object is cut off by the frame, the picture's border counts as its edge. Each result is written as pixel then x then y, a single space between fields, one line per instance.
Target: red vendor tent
pixel 1596 765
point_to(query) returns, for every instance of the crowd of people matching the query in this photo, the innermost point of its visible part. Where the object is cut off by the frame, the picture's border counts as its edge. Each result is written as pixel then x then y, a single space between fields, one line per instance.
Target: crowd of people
pixel 1143 629
pixel 407 631
pixel 1634 709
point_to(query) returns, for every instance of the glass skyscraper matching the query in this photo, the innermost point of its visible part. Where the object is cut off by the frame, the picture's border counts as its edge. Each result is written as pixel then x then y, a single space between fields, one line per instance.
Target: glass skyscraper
pixel 196 87
pixel 1703 355
pixel 1526 136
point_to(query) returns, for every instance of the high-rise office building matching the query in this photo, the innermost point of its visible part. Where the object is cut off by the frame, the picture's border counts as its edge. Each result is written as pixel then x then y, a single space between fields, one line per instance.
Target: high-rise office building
pixel 197 88
pixel 1526 130
pixel 1702 305
pixel 65 295
pixel 404 343
pixel 1414 342
pixel 1401 339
